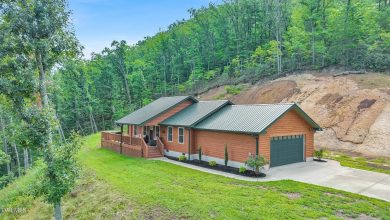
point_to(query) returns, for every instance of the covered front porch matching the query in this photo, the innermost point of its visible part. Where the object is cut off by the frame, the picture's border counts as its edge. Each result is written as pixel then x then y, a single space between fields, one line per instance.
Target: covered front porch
pixel 136 141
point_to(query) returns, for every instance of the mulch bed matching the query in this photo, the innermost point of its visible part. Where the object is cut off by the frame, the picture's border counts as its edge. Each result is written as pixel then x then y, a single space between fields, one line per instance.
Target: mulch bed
pixel 219 167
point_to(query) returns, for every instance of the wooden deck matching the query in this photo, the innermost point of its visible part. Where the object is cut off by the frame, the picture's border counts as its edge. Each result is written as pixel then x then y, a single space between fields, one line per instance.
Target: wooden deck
pixel 130 145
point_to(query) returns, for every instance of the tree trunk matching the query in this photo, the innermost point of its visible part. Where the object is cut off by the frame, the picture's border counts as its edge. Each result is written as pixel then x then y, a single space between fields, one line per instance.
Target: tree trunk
pixel 6 152
pixel 43 91
pixel 17 157
pixel 5 143
pixel 346 30
pixel 25 157
pixel 60 130
pixel 57 211
pixel 278 19
pixel 123 73
pixel 31 158
pixel 16 151
pixel 313 57
pixel 257 170
pixel 92 122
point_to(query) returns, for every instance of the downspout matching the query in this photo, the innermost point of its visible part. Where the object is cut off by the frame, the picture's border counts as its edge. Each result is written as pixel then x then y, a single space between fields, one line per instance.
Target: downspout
pixel 257 146
pixel 189 143
pixel 131 132
pixel 121 138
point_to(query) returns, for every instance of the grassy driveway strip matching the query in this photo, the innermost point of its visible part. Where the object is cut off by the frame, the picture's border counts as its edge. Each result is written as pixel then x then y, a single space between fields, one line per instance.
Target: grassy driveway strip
pixel 178 192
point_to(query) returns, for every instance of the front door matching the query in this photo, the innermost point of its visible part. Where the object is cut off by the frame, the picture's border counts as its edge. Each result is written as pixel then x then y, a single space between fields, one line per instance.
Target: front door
pixel 151 133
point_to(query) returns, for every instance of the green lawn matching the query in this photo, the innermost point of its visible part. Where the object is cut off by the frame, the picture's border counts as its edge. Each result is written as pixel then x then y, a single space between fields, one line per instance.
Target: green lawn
pixel 114 186
pixel 380 164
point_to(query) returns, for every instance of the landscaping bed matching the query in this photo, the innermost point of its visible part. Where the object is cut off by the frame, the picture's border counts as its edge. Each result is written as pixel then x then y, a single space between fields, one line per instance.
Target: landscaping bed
pixel 219 167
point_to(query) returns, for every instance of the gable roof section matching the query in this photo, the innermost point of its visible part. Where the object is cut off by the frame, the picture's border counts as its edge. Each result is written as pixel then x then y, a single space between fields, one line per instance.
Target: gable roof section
pixel 195 113
pixel 252 119
pixel 153 109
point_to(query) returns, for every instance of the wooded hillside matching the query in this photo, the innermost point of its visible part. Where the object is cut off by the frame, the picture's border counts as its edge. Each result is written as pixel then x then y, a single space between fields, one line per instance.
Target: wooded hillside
pixel 227 43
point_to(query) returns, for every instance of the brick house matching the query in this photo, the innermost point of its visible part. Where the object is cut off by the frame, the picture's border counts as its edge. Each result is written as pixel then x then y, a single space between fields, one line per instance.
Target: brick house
pixel 173 126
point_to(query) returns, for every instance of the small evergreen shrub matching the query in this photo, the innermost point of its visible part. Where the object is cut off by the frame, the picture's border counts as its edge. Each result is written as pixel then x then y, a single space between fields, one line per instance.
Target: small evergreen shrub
pixel 200 153
pixel 212 163
pixel 226 155
pixel 182 158
pixel 242 169
pixel 319 154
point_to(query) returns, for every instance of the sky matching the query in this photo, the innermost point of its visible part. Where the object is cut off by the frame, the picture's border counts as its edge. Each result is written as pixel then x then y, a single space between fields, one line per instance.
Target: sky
pixel 98 22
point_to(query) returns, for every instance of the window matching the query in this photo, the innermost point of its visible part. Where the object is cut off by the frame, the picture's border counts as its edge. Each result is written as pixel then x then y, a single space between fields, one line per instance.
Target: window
pixel 169 135
pixel 144 130
pixel 157 131
pixel 135 131
pixel 181 136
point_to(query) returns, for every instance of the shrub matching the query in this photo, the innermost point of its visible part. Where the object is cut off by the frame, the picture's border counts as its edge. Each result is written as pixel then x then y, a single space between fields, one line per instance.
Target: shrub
pixel 212 163
pixel 255 162
pixel 182 158
pixel 319 154
pixel 242 169
pixel 200 153
pixel 233 90
pixel 226 155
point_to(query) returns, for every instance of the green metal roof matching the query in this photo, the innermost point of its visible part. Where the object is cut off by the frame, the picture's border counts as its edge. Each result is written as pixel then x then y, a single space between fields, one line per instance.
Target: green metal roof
pixel 195 113
pixel 153 109
pixel 252 119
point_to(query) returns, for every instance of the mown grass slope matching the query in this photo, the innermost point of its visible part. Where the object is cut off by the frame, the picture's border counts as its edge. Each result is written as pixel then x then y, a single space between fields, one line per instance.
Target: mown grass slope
pixel 114 186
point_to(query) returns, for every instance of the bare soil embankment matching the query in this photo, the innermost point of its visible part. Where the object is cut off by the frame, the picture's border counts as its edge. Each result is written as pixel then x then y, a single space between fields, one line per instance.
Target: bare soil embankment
pixel 354 110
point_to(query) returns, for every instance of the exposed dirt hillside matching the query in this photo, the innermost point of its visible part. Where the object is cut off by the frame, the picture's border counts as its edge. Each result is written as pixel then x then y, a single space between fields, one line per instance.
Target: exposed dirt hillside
pixel 354 110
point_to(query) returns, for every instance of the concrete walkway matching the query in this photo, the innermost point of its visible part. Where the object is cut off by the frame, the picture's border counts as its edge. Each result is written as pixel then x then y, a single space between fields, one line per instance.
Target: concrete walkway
pixel 329 174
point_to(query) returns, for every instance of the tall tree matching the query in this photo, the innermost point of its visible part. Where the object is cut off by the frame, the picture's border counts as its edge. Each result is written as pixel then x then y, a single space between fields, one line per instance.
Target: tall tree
pixel 118 58
pixel 39 34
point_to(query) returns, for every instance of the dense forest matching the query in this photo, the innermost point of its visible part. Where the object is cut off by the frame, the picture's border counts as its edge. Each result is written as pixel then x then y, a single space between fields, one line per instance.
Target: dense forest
pixel 49 90
pixel 237 41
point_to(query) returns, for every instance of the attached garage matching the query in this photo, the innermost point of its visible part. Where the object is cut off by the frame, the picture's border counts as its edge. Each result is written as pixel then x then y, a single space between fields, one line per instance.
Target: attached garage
pixel 286 150
pixel 282 133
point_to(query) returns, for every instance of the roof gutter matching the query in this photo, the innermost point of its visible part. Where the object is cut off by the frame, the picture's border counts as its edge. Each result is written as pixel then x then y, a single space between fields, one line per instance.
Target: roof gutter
pixel 230 131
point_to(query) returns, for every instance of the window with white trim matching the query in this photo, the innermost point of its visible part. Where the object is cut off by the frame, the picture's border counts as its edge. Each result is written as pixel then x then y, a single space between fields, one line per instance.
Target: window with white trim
pixel 181 135
pixel 135 131
pixel 170 134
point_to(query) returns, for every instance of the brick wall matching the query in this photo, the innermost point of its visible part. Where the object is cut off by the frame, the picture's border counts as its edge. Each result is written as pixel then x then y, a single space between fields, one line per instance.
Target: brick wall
pixel 175 145
pixel 213 144
pixel 290 124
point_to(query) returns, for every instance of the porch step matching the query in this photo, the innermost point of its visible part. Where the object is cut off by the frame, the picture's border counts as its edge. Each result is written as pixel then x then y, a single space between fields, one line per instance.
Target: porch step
pixel 154 152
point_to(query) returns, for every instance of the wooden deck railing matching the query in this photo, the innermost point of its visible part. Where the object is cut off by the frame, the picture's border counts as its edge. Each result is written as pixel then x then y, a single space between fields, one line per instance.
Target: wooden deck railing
pixel 110 136
pixel 111 140
pixel 126 139
pixel 136 141
pixel 130 144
